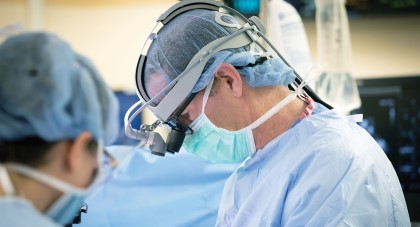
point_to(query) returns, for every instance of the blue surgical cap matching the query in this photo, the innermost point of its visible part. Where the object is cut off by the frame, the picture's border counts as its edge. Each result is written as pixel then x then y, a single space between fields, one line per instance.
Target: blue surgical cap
pixel 50 92
pixel 183 37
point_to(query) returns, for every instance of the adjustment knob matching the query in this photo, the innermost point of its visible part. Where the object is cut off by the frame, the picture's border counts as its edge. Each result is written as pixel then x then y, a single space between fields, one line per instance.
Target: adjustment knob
pixel 254 20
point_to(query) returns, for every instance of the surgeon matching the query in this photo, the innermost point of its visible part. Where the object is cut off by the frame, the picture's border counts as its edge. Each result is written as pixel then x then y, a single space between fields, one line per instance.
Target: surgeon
pixel 56 113
pixel 302 164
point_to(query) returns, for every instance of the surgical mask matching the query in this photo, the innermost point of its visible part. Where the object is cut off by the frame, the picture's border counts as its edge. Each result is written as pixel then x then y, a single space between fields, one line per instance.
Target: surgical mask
pixel 219 145
pixel 65 208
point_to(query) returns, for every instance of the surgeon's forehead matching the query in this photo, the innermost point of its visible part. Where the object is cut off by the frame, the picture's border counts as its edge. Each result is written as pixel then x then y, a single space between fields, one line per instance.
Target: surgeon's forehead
pixel 156 83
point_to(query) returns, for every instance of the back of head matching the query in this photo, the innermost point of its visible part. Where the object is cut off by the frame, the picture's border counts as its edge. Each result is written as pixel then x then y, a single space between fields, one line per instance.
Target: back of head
pixel 50 92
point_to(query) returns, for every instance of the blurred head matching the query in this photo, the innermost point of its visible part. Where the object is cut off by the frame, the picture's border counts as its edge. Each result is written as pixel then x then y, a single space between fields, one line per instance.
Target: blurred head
pixel 54 107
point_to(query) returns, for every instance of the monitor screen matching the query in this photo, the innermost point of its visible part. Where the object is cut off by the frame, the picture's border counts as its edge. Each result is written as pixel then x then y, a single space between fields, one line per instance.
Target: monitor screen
pixel 391 115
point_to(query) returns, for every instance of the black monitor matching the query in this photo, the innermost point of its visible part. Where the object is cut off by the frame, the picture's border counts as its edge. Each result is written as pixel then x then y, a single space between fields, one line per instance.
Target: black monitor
pixel 391 115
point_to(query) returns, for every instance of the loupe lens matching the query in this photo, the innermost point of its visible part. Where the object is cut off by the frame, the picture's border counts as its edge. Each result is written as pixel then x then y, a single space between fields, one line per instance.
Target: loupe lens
pixel 175 140
pixel 177 135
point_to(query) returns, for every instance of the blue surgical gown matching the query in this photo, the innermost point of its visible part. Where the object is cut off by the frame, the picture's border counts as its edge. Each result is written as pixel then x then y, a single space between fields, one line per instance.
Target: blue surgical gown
pixel 148 190
pixel 18 212
pixel 325 171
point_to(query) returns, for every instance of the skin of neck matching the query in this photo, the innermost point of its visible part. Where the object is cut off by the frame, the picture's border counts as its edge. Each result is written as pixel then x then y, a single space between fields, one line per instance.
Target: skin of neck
pixel 259 100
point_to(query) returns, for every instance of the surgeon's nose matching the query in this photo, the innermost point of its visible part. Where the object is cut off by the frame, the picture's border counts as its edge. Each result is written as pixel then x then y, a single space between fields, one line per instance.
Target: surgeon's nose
pixel 185 118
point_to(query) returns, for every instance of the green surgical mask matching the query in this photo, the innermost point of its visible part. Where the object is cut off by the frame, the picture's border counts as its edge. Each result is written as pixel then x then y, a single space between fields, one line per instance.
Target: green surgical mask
pixel 219 145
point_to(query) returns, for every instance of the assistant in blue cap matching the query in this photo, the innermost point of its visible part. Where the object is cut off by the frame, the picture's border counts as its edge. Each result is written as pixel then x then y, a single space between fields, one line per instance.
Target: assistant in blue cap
pixel 56 112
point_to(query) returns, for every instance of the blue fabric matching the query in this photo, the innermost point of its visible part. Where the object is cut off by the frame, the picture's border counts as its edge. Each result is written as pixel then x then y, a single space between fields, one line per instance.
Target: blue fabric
pixel 325 171
pixel 50 92
pixel 148 190
pixel 18 212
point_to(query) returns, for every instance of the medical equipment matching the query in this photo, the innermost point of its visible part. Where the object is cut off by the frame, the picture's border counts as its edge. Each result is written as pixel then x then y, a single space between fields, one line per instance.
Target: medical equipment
pixel 336 85
pixel 286 31
pixel 78 218
pixel 177 94
pixel 390 107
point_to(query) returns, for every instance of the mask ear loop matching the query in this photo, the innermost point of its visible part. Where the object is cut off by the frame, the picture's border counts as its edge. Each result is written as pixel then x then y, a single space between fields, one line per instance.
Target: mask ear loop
pixel 206 95
pixel 5 182
pixel 44 178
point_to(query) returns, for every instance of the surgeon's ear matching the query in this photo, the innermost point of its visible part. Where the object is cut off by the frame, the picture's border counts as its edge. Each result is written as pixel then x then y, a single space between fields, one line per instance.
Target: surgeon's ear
pixel 76 152
pixel 230 78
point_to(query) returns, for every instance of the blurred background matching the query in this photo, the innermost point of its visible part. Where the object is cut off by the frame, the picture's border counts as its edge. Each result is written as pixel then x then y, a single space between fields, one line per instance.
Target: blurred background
pixel 385 58
pixel 385 37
